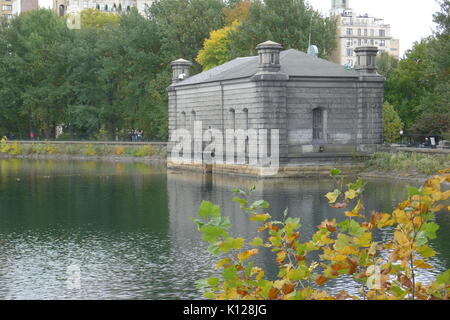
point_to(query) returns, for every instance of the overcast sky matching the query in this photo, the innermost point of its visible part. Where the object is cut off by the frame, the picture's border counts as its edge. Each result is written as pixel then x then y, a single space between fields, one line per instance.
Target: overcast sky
pixel 410 20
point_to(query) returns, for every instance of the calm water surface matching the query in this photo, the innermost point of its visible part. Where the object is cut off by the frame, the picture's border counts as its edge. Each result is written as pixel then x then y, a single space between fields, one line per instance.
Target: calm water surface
pixel 128 227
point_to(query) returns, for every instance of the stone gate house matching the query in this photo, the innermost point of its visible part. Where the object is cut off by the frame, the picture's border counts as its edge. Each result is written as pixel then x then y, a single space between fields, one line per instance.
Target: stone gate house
pixel 327 116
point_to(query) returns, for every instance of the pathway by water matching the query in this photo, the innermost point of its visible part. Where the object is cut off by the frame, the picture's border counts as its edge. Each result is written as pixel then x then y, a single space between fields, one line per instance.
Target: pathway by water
pixel 126 229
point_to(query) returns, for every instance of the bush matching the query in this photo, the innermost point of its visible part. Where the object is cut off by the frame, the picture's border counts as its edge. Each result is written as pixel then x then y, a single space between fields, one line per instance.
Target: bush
pixel 408 162
pixel 385 271
pixel 392 124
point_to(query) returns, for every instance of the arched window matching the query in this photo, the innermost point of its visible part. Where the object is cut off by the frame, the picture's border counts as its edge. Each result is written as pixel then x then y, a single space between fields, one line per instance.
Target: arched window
pixel 183 120
pixel 318 124
pixel 97 7
pixel 193 119
pixel 106 7
pixel 62 10
pixel 245 110
pixel 233 119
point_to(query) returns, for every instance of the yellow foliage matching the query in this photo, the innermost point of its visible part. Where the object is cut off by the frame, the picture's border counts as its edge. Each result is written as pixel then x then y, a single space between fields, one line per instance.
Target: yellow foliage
pixel 216 47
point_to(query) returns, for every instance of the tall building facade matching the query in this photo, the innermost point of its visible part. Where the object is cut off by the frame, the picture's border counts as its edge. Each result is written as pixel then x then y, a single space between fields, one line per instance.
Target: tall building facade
pixel 6 8
pixel 117 6
pixel 62 7
pixel 355 30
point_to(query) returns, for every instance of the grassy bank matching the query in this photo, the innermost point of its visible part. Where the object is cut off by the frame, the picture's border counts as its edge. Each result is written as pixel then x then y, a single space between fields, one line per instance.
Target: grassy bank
pixel 408 163
pixel 81 149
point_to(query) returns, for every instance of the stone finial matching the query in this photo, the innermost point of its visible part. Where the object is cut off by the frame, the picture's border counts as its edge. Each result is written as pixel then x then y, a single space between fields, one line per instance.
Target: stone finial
pixel 365 63
pixel 180 70
pixel 269 56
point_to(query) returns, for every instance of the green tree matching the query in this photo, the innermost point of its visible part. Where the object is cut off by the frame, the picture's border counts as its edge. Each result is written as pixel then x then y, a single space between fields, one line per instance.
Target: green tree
pixel 386 64
pixel 34 72
pixel 287 22
pixel 420 84
pixel 184 24
pixel 431 123
pixel 410 82
pixel 392 123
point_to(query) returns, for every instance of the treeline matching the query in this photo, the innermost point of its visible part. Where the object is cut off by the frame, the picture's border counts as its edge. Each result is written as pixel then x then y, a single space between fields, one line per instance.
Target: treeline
pixel 418 86
pixel 110 76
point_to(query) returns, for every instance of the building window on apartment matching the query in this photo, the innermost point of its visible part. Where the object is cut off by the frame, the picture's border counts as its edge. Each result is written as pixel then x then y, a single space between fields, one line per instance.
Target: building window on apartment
pixel 359 32
pixel 382 33
pixel 85 4
pixel 349 31
pixel 6 7
pixel 382 43
pixel 372 42
pixel 349 52
pixel 349 42
pixel 365 32
pixel 318 124
pixel 372 32
pixel 360 42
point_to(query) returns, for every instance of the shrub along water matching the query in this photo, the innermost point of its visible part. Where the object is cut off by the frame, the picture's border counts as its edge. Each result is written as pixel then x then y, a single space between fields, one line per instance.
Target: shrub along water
pixel 408 162
pixel 90 150
pixel 385 270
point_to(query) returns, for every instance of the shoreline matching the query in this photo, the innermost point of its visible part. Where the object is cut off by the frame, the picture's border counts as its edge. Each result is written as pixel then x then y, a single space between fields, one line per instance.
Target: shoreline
pixel 156 159
pixel 109 158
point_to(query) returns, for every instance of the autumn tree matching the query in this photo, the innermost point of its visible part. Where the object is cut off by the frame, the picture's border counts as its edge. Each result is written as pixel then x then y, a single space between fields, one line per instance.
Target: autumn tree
pixel 216 48
pixel 237 12
pixel 91 18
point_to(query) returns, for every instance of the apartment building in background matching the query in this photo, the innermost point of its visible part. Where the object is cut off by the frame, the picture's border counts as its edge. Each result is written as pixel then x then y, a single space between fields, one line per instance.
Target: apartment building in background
pixel 61 7
pixel 6 8
pixel 356 30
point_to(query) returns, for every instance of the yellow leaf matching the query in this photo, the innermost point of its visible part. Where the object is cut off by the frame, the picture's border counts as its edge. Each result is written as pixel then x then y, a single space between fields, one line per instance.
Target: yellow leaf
pixel 400 238
pixel 340 258
pixel 446 195
pixel 280 257
pixel 247 254
pixel 222 262
pixel 260 217
pixel 350 194
pixel 332 196
pixel 422 264
pixel 401 216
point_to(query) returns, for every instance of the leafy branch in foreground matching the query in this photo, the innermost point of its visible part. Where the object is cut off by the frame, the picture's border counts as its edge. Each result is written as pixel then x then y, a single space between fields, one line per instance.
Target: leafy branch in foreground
pixel 385 271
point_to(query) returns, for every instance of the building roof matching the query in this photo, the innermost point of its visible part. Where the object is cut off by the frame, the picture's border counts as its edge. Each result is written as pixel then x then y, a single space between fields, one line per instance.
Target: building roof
pixel 293 63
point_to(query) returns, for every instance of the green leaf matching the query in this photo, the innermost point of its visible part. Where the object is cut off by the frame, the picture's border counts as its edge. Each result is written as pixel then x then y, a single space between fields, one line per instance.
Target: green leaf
pixel 230 274
pixel 261 203
pixel 213 281
pixel 412 191
pixel 257 242
pixel 443 278
pixel 355 229
pixel 208 209
pixel 430 229
pixel 335 172
pixel 421 238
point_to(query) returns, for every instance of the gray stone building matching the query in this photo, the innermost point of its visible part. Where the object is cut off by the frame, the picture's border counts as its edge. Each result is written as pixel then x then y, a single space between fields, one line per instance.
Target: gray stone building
pixel 326 115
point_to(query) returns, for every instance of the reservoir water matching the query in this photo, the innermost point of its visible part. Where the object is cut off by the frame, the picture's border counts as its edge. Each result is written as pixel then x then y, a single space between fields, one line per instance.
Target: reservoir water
pixel 104 230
